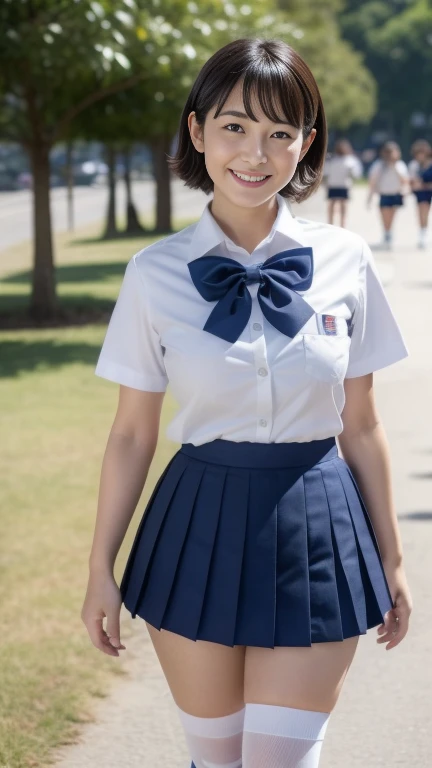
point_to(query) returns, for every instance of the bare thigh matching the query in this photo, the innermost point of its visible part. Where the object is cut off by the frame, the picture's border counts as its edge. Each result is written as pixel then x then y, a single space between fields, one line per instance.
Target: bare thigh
pixel 302 678
pixel 423 212
pixel 387 215
pixel 206 679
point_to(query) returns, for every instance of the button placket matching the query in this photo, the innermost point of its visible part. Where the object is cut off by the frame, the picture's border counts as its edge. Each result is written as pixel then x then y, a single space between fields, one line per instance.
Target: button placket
pixel 263 375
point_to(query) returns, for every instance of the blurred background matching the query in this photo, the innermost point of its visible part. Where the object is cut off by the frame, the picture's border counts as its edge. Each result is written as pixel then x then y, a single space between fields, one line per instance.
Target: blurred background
pixel 90 99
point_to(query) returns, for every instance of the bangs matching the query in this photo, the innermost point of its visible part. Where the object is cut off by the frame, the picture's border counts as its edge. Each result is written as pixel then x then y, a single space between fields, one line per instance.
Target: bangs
pixel 274 78
pixel 277 92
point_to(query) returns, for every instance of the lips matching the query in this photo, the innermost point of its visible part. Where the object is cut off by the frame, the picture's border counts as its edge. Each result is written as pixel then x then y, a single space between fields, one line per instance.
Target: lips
pixel 249 173
pixel 248 184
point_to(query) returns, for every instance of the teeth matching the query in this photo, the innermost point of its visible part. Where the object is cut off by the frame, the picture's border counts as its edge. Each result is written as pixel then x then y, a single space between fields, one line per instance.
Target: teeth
pixel 249 178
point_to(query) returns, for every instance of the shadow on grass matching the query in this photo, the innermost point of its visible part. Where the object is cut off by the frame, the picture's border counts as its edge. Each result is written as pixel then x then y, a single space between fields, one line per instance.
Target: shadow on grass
pixel 73 310
pixel 76 273
pixel 27 356
pixel 145 236
pixel 148 236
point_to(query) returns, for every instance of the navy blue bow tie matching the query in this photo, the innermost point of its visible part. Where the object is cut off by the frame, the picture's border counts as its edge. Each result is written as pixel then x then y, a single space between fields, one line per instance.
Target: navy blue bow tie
pixel 224 280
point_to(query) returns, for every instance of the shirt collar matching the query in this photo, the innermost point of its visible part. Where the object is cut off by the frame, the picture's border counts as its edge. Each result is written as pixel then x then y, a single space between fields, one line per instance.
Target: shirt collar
pixel 208 234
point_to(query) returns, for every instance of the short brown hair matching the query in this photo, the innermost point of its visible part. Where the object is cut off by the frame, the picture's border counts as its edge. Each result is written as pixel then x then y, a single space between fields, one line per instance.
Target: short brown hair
pixel 273 71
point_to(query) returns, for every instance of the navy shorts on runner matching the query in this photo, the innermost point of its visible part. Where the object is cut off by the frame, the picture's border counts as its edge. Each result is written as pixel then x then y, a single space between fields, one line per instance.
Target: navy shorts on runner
pixel 390 201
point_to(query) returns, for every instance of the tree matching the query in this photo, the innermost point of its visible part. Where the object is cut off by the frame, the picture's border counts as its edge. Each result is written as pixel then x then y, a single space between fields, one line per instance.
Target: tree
pixel 396 36
pixel 61 57
pixel 56 58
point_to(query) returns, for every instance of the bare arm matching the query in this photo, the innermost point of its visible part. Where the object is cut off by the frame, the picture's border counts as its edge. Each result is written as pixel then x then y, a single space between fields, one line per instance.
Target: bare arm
pixel 373 185
pixel 365 449
pixel 128 455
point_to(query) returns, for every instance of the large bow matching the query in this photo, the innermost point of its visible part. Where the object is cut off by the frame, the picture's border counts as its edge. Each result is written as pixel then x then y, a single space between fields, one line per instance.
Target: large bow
pixel 224 280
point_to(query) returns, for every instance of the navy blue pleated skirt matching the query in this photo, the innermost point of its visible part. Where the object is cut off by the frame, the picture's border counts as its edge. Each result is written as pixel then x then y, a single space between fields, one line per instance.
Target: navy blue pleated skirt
pixel 263 544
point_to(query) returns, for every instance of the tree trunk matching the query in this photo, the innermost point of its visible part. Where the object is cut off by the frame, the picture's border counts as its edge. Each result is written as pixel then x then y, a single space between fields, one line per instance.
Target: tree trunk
pixel 43 304
pixel 70 185
pixel 161 146
pixel 133 225
pixel 111 219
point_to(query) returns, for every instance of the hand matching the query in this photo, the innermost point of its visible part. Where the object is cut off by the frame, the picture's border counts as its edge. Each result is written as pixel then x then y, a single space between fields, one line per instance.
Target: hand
pixel 103 599
pixel 396 621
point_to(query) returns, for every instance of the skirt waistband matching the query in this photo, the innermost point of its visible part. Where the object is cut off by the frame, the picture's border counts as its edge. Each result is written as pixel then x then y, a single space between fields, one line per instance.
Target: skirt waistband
pixel 262 455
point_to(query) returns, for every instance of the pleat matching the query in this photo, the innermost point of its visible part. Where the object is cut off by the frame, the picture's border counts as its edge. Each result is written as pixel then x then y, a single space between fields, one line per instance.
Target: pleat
pixel 293 617
pixel 184 609
pixel 218 621
pixel 167 551
pixel 326 622
pixel 127 572
pixel 146 538
pixel 378 598
pixel 257 599
pixel 346 552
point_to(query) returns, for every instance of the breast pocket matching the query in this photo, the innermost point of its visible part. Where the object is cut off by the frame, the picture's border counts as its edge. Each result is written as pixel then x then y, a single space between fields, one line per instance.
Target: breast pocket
pixel 326 357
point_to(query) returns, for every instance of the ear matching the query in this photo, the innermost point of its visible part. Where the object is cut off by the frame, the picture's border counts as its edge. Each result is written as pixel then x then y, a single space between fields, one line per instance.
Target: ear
pixel 196 132
pixel 306 144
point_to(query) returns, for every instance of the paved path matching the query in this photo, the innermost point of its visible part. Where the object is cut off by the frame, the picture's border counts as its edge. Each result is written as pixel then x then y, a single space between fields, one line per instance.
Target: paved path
pixel 89 206
pixel 382 717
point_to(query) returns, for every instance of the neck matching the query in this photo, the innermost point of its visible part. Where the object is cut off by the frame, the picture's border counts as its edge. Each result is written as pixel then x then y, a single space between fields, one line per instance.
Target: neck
pixel 246 227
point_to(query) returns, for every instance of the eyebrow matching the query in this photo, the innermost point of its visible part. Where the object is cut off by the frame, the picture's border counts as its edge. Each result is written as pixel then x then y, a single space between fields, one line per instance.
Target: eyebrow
pixel 234 113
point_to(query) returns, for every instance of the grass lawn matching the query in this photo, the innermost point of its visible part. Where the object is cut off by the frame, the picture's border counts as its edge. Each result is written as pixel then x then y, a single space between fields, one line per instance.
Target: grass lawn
pixel 55 418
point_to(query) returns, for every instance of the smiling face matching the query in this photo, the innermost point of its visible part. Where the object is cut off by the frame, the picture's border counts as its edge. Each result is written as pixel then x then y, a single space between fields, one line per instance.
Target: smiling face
pixel 233 143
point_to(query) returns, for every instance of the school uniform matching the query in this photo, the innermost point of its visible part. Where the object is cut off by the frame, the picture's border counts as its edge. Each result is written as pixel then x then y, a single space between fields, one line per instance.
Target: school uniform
pixel 425 176
pixel 255 533
pixel 339 172
pixel 388 184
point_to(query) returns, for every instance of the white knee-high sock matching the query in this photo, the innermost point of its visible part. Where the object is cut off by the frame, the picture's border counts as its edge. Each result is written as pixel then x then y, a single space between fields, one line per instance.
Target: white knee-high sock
pixel 214 742
pixel 282 737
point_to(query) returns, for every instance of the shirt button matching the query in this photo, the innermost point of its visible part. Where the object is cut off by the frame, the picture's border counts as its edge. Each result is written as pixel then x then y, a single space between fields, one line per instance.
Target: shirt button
pixel 257 327
pixel 263 423
pixel 262 371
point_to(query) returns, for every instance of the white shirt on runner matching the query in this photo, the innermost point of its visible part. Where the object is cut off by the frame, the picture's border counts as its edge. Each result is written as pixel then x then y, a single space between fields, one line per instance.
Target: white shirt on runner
pixel 265 387
pixel 340 170
pixel 387 178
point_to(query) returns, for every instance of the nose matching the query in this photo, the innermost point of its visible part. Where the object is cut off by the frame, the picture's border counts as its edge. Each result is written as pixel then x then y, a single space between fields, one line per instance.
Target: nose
pixel 254 151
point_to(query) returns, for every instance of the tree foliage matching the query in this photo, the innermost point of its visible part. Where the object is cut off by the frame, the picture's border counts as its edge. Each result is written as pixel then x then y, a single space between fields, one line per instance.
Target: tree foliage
pixel 60 59
pixel 396 36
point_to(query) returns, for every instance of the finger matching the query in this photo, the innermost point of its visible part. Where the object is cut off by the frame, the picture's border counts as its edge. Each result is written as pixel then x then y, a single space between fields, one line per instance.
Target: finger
pixel 388 629
pixel 402 629
pixel 397 634
pixel 113 630
pixel 388 623
pixel 99 637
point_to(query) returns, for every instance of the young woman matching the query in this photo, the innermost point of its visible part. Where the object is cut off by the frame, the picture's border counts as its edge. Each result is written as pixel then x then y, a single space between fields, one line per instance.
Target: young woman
pixel 339 171
pixel 420 171
pixel 390 178
pixel 256 565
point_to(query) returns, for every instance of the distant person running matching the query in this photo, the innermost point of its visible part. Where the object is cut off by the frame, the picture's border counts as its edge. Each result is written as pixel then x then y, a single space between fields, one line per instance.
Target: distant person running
pixel 420 171
pixel 389 177
pixel 339 171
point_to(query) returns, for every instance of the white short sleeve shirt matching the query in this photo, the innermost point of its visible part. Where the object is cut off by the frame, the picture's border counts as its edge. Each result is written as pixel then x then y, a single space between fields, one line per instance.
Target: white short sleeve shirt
pixel 387 176
pixel 340 170
pixel 413 169
pixel 264 387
